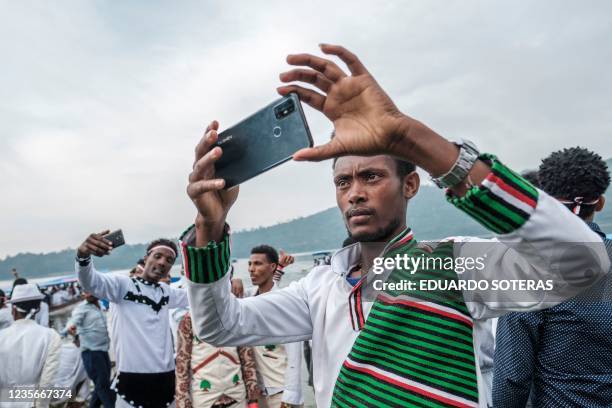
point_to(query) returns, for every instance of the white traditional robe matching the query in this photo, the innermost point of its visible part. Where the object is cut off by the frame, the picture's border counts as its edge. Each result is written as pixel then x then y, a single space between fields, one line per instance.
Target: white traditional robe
pixel 30 355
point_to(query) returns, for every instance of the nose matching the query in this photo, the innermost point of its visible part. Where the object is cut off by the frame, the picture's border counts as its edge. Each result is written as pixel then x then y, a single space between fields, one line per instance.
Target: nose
pixel 356 194
pixel 161 263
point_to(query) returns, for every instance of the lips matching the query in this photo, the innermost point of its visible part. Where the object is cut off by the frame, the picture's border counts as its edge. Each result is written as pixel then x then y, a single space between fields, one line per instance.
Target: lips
pixel 356 212
pixel 359 215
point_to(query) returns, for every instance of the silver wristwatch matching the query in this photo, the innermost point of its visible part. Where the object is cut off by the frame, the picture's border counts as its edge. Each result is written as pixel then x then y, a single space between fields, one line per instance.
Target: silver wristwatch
pixel 468 154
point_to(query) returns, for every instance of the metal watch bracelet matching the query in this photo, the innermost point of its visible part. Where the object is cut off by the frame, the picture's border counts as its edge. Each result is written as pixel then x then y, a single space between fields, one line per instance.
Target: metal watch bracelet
pixel 468 154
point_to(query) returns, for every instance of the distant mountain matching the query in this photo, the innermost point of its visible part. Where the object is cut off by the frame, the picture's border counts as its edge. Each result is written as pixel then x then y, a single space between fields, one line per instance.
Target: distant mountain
pixel 428 214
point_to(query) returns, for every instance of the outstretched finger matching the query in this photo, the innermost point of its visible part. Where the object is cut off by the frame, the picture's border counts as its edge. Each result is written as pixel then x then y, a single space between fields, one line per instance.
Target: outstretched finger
pixel 214 125
pixel 351 60
pixel 324 66
pixel 307 75
pixel 96 249
pixel 205 166
pixel 99 240
pixel 312 98
pixel 198 188
pixel 100 237
pixel 318 153
pixel 207 141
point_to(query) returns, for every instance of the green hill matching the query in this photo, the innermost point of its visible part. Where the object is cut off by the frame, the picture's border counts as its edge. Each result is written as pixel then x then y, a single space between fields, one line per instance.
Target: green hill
pixel 428 214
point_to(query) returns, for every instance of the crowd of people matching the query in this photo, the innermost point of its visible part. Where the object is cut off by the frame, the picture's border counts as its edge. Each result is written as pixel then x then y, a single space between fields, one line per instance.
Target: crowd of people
pixel 206 341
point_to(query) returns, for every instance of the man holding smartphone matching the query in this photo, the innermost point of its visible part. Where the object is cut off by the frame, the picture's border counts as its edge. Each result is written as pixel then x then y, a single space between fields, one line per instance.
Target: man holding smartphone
pixel 144 348
pixel 388 350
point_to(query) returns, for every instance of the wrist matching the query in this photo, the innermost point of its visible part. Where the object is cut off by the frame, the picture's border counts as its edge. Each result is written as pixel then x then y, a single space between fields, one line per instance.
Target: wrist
pixel 423 147
pixel 83 259
pixel 207 231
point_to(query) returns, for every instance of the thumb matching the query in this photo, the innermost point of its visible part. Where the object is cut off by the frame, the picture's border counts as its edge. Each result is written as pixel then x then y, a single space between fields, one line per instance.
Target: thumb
pixel 318 153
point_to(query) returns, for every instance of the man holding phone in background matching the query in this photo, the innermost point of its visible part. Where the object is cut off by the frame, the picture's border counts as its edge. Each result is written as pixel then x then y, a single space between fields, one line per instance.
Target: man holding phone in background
pixel 365 352
pixel 144 349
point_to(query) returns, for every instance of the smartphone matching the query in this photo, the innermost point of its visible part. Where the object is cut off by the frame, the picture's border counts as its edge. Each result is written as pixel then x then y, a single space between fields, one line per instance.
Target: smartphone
pixel 264 140
pixel 116 237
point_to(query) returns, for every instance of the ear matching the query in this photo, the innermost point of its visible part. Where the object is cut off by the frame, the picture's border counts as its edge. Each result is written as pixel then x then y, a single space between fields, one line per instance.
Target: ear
pixel 412 182
pixel 601 203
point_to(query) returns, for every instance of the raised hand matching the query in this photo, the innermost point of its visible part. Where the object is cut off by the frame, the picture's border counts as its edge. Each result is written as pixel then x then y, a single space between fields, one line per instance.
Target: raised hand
pixel 95 244
pixel 206 191
pixel 285 259
pixel 366 121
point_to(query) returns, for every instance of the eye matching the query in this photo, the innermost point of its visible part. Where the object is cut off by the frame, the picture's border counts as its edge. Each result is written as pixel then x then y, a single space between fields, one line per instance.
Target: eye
pixel 342 182
pixel 371 176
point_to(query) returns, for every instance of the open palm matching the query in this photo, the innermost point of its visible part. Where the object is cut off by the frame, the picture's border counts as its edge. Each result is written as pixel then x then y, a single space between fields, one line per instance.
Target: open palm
pixel 366 121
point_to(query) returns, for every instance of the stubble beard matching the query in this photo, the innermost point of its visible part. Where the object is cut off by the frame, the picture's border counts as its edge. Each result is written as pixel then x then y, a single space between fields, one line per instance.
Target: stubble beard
pixel 382 234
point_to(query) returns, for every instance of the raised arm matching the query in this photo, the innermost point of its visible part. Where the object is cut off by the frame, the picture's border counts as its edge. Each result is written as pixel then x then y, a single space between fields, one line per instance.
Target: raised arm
pixel 538 240
pixel 218 317
pixel 103 286
pixel 221 319
pixel 367 122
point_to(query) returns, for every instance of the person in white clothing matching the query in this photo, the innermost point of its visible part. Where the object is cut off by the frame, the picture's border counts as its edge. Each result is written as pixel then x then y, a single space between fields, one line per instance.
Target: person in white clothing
pixel 6 315
pixel 144 350
pixel 394 347
pixel 42 316
pixel 279 366
pixel 30 353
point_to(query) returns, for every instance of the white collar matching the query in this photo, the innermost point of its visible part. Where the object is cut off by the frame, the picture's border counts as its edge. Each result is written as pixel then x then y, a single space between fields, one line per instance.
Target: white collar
pixel 345 259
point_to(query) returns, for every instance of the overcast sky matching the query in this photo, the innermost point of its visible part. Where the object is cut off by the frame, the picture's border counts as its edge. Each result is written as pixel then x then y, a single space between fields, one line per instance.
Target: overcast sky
pixel 103 102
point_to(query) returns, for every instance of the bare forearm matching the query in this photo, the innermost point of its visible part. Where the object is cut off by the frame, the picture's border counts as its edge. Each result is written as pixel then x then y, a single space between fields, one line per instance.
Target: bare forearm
pixel 208 230
pixel 433 153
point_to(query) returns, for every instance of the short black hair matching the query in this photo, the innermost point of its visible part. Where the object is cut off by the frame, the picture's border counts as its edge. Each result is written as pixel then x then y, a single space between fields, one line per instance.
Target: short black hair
pixel 20 281
pixel 269 251
pixel 162 241
pixel 575 172
pixel 402 167
pixel 532 177
pixel 28 305
pixel 140 262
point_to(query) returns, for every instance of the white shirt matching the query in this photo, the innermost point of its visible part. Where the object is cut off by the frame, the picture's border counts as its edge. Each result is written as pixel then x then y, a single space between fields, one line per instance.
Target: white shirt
pixel 317 305
pixel 292 391
pixel 6 317
pixel 141 327
pixel 71 371
pixel 42 316
pixel 177 314
pixel 60 297
pixel 30 355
